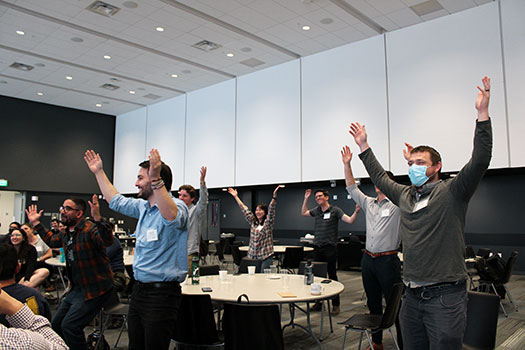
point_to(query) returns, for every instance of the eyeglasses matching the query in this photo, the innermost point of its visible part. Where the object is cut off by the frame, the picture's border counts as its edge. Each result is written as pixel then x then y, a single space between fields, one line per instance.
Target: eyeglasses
pixel 67 208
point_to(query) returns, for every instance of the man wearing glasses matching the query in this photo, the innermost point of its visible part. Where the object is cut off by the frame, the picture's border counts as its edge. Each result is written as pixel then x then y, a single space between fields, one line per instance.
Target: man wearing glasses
pixel 88 269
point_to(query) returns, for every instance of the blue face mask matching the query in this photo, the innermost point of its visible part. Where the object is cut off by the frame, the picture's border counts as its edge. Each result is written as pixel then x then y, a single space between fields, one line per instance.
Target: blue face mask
pixel 418 174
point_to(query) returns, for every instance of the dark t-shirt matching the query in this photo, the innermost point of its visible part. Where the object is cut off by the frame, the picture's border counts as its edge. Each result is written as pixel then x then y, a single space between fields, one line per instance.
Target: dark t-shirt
pixel 30 296
pixel 326 225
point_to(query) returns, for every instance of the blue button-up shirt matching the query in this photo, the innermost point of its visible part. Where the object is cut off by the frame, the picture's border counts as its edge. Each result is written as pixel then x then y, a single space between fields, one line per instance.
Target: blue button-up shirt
pixel 164 259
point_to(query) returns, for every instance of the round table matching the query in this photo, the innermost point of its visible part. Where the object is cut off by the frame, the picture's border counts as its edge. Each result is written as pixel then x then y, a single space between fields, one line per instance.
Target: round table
pixel 279 249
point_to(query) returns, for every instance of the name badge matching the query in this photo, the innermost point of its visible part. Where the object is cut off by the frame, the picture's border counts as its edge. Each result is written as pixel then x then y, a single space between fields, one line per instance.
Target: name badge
pixel 151 235
pixel 420 205
pixel 385 213
pixel 326 216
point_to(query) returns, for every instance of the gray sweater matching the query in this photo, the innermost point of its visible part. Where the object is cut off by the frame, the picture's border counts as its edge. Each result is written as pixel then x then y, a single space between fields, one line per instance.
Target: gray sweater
pixel 433 235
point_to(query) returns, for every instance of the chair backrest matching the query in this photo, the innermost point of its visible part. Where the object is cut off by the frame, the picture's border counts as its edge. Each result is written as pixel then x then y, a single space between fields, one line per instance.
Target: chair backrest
pixel 392 307
pixel 245 262
pixel 484 252
pixel 509 267
pixel 195 321
pixel 292 257
pixel 469 252
pixel 219 247
pixel 252 326
pixel 207 270
pixel 236 255
pixel 320 268
pixel 482 320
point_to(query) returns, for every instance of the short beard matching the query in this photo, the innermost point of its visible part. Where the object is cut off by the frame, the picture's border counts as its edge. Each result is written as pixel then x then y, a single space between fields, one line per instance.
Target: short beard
pixel 145 193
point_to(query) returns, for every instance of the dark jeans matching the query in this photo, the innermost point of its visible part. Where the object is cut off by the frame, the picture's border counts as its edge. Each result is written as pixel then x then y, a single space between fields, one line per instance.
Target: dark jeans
pixel 75 313
pixel 328 254
pixel 434 317
pixel 152 315
pixel 379 276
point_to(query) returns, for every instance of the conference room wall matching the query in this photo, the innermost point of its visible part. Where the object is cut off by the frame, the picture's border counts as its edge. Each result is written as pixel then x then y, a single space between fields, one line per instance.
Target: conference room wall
pixel 43 146
pixel 433 70
pixel 513 28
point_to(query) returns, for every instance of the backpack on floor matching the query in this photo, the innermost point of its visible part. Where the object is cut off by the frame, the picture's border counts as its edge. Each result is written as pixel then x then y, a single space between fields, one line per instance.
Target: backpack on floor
pixel 92 340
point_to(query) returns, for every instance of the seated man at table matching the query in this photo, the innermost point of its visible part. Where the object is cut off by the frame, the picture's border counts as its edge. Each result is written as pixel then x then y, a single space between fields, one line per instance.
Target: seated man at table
pixel 9 266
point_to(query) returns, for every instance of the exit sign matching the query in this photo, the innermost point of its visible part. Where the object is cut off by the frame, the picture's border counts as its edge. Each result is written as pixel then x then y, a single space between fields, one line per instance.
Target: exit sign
pixel 3 183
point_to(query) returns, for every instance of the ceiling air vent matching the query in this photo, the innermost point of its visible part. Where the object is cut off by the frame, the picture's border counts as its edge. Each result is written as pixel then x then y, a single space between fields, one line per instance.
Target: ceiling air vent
pixel 110 87
pixel 206 45
pixel 427 7
pixel 152 96
pixel 21 66
pixel 103 8
pixel 252 62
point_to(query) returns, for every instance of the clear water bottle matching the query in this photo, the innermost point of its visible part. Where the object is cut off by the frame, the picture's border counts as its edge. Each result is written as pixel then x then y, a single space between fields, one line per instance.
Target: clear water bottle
pixel 308 273
pixel 195 272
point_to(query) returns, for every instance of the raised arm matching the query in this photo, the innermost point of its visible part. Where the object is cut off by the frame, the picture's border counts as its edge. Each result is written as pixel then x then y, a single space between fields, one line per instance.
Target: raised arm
pixel 304 209
pixel 274 196
pixel 94 163
pixel 346 156
pixel 482 102
pixel 358 131
pixel 53 240
pixel 104 229
pixel 235 195
pixel 353 218
pixel 167 207
pixel 202 204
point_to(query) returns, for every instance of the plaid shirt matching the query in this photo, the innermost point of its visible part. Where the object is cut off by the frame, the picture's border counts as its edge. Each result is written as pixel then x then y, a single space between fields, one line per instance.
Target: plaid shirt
pixel 29 331
pixel 261 240
pixel 90 267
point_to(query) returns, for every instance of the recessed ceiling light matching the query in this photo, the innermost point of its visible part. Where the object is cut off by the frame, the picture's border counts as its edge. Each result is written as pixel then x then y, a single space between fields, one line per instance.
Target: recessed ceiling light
pixel 159 29
pixel 174 75
pixel 68 77
pixel 107 57
pixel 19 32
pixel 98 105
pixel 40 93
pixel 132 92
pixel 306 27
pixel 229 54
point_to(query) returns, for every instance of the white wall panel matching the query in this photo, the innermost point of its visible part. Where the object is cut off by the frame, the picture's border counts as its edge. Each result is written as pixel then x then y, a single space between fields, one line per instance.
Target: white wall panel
pixel 512 13
pixel 210 135
pixel 165 131
pixel 433 71
pixel 268 126
pixel 340 86
pixel 130 146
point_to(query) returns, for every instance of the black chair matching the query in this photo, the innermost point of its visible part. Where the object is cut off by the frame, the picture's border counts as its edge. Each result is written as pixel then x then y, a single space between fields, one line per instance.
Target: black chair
pixel 349 253
pixel 482 321
pixel 236 255
pixel 320 269
pixel 219 250
pixel 245 262
pixel 292 258
pixel 112 308
pixel 484 252
pixel 252 326
pixel 204 250
pixel 196 324
pixel 366 323
pixel 469 252
pixel 492 285
pixel 207 270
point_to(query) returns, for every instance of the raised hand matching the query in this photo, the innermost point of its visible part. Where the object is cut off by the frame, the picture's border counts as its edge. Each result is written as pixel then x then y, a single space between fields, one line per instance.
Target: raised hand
pixel 482 102
pixel 276 189
pixel 155 164
pixel 232 191
pixel 407 151
pixel 203 174
pixel 358 131
pixel 307 193
pixel 33 215
pixel 95 208
pixel 93 161
pixel 346 155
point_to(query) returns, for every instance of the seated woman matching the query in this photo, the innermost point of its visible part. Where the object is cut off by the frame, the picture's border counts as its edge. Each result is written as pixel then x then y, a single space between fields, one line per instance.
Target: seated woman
pixel 261 228
pixel 27 256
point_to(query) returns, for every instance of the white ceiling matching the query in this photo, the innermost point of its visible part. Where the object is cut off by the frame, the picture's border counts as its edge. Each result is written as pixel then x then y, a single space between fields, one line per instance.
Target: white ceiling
pixel 143 59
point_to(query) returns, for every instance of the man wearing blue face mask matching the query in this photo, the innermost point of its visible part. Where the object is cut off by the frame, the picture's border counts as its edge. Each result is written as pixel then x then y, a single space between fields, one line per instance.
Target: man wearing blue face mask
pixel 433 312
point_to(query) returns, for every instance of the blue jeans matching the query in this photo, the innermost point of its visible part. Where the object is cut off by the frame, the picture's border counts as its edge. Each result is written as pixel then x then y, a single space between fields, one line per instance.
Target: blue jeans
pixel 266 263
pixel 152 316
pixel 379 276
pixel 434 317
pixel 75 313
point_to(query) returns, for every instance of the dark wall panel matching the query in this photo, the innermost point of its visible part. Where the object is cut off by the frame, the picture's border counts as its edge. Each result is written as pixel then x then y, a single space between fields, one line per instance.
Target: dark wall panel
pixel 42 146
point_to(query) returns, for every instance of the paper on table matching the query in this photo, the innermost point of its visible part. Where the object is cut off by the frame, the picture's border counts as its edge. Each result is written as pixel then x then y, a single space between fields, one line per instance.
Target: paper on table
pixel 287 294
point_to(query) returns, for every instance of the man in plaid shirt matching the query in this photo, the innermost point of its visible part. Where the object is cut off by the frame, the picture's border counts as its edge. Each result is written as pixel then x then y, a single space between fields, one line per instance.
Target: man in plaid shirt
pixel 84 244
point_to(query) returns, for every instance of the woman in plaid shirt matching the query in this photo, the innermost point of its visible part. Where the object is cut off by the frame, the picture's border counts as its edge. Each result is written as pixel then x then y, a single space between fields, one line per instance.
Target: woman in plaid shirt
pixel 261 228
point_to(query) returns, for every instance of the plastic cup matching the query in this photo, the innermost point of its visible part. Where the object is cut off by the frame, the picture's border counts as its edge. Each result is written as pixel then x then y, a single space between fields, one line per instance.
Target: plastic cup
pixel 223 274
pixel 251 270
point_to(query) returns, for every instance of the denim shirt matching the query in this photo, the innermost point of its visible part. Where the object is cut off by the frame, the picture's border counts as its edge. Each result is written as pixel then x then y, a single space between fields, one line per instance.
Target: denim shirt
pixel 164 259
